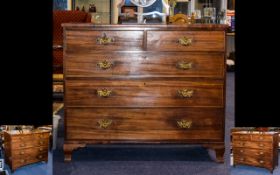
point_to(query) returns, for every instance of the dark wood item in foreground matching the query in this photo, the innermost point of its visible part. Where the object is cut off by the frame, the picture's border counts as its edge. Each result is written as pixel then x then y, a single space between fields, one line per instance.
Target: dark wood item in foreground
pixel 144 84
pixel 25 148
pixel 255 148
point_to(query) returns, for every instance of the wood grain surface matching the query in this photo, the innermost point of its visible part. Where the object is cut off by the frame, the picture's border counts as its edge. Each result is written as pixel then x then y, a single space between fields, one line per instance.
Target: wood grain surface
pixel 145 64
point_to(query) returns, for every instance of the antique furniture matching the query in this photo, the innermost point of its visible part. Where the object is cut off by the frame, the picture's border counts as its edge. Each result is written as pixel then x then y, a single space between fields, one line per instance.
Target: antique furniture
pixel 59 17
pixel 25 147
pixel 58 87
pixel 255 148
pixel 144 84
pixel 179 19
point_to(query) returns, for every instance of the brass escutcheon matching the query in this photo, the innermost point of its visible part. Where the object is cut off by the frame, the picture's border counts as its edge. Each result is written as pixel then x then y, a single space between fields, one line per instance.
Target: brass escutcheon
pixel 184 65
pixel 105 123
pixel 185 41
pixel 104 39
pixel 184 123
pixel 104 93
pixel 186 93
pixel 104 64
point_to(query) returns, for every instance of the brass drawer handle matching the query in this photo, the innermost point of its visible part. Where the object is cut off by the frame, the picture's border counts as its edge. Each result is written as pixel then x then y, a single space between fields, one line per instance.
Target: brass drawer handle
pixel 261 161
pixel 242 159
pixel 186 93
pixel 41 149
pixel 261 138
pixel 22 160
pixel 21 153
pixel 261 145
pixel 104 64
pixel 185 41
pixel 40 156
pixel 22 145
pixel 184 65
pixel 104 39
pixel 105 123
pixel 186 124
pixel 261 153
pixel 242 151
pixel 104 93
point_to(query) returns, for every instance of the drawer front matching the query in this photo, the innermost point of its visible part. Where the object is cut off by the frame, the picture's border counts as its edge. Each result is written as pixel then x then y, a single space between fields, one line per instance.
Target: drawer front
pixel 262 137
pixel 185 41
pixel 94 41
pixel 257 145
pixel 143 93
pixel 30 143
pixel 240 137
pixel 29 151
pixel 253 161
pixel 30 137
pixel 145 64
pixel 175 124
pixel 25 160
pixel 250 152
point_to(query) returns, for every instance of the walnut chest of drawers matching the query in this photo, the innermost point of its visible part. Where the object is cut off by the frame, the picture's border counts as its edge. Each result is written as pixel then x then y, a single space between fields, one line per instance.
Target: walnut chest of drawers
pixel 255 148
pixel 26 147
pixel 144 84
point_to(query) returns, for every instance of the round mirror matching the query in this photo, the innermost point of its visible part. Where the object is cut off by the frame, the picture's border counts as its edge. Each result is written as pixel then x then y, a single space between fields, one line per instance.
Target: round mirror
pixel 143 3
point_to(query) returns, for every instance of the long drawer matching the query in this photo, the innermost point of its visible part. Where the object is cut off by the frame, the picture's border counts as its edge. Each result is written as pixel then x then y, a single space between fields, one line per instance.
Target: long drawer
pixel 255 161
pixel 145 64
pixel 30 137
pixel 186 41
pixel 143 93
pixel 29 151
pixel 95 41
pixel 250 144
pixel 30 143
pixel 144 124
pixel 252 152
pixel 253 137
pixel 25 160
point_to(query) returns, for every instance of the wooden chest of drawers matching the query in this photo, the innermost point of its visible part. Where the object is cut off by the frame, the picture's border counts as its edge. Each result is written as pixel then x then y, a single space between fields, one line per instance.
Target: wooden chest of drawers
pixel 25 148
pixel 255 148
pixel 144 84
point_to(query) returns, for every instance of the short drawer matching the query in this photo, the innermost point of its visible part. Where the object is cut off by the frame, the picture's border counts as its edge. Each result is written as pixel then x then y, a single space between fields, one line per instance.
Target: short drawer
pixel 185 41
pixel 237 137
pixel 143 93
pixel 145 64
pixel 249 144
pixel 262 137
pixel 93 41
pixel 177 124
